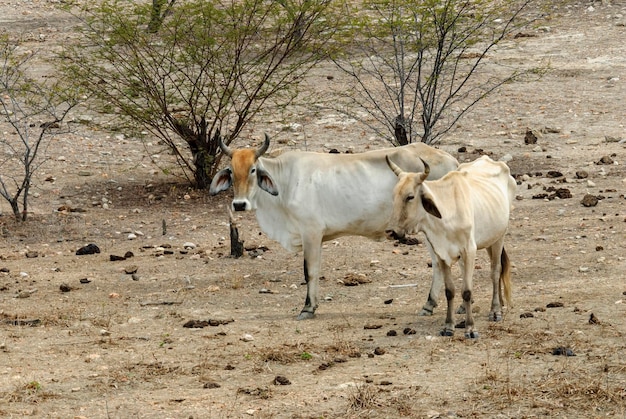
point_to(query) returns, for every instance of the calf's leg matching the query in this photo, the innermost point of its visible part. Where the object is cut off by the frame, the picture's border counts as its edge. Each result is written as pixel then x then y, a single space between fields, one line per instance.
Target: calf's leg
pixel 312 267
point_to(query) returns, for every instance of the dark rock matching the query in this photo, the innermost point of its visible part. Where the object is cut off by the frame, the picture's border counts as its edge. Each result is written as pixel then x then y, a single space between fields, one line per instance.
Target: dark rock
pixel 462 149
pixel 129 254
pixel 392 333
pixel 582 174
pixel 526 315
pixel 5 270
pixel 589 201
pixel 530 137
pixel 65 288
pixel 563 193
pixel 561 350
pixel 279 380
pixel 115 258
pixel 605 160
pixel 554 305
pixel 131 269
pixel 554 174
pixel 593 319
pixel 211 385
pixel 389 301
pixel 379 351
pixel 85 280
pixel 32 254
pixel 90 249
pixel 409 331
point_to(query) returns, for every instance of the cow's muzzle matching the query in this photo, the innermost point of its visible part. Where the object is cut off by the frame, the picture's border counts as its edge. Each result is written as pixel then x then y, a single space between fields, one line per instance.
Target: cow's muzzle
pixel 239 206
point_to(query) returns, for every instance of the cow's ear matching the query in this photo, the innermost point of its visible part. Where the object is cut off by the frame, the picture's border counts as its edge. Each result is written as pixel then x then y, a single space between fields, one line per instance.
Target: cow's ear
pixel 221 181
pixel 266 182
pixel 430 206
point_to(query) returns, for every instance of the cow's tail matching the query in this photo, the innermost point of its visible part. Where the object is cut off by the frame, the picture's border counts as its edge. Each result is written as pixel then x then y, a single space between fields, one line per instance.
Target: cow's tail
pixel 505 277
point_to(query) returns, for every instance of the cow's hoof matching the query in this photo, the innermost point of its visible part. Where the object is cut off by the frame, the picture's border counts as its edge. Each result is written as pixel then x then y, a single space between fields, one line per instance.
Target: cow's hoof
pixel 306 315
pixel 495 317
pixel 471 335
pixel 446 332
pixel 425 312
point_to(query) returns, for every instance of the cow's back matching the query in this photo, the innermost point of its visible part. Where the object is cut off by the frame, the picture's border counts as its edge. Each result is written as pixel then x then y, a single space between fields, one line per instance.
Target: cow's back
pixel 337 194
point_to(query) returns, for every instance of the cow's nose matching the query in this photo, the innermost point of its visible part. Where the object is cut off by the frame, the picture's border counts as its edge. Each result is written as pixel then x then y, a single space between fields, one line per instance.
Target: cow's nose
pixel 239 206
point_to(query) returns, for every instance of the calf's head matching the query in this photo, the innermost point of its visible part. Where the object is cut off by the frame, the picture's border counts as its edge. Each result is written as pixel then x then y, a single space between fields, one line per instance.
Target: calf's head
pixel 245 174
pixel 410 203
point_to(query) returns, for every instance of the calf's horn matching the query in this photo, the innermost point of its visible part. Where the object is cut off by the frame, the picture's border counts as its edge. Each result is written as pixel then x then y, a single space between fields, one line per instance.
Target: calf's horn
pixel 426 168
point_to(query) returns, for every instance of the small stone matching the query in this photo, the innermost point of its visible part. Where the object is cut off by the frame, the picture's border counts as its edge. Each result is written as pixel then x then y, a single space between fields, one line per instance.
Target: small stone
pixel 132 236
pixel 589 201
pixel 65 288
pixel 280 380
pixel 31 254
pixel 131 269
pixel 211 385
pixel 561 350
pixel 247 338
pixel 389 301
pixel 526 315
pixel 392 333
pixel 409 331
pixel 582 174
pixel 189 245
pixel 104 332
pixel 379 351
pixel 530 137
pixel 593 319
pixel 90 249
pixel 84 280
pixel 554 305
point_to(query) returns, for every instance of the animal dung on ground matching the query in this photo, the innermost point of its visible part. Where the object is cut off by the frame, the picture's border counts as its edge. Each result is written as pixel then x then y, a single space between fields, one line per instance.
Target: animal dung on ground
pixel 280 380
pixel 589 201
pixel 554 305
pixel 561 350
pixel 526 315
pixel 89 249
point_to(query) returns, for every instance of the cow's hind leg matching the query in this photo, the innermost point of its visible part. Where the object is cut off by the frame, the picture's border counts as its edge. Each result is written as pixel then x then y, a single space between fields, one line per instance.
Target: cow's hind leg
pixel 495 253
pixel 312 264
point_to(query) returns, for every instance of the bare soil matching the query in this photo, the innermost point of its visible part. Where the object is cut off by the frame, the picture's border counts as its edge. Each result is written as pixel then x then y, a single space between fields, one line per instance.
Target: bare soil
pixel 83 336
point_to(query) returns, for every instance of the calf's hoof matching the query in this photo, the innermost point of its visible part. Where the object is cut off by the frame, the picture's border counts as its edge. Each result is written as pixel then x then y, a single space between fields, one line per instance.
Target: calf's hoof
pixel 495 317
pixel 471 335
pixel 306 315
pixel 446 332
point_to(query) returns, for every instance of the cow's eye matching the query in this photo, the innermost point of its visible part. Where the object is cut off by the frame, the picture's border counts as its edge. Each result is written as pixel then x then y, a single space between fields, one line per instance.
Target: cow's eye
pixel 253 170
pixel 409 198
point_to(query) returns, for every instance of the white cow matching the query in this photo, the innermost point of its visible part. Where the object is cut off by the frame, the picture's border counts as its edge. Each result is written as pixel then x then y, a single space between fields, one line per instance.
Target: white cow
pixel 303 198
pixel 466 210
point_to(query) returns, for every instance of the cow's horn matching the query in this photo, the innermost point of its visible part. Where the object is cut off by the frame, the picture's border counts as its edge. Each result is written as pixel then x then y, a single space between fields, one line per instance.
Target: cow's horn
pixel 261 150
pixel 225 148
pixel 394 167
pixel 426 169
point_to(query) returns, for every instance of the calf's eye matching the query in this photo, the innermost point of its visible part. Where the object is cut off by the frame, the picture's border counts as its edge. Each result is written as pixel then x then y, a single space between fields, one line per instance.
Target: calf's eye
pixel 410 198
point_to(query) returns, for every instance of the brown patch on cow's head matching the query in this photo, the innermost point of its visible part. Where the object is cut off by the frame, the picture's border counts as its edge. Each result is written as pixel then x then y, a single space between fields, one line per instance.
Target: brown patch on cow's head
pixel 244 175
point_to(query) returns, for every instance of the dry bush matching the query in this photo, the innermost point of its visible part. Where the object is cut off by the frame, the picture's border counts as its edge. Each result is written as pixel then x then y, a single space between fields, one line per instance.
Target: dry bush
pixel 363 397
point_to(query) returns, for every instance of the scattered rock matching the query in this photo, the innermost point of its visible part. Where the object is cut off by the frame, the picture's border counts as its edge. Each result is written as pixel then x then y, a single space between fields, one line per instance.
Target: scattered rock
pixel 409 331
pixel 526 315
pixel 561 350
pixel 31 254
pixel 582 174
pixel 65 288
pixel 379 351
pixel 129 255
pixel 389 301
pixel 199 324
pixel 372 326
pixel 554 174
pixel 392 333
pixel 247 337
pixel 554 305
pixel 540 309
pixel 605 160
pixel 589 200
pixel 211 385
pixel 84 280
pixel 5 270
pixel 90 249
pixel 266 291
pixel 530 137
pixel 593 319
pixel 352 279
pixel 132 269
pixel 280 380
pixel 18 322
pixel 115 258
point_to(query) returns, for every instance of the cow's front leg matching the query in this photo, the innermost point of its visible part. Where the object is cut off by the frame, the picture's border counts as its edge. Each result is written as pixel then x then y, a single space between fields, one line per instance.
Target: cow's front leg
pixel 312 267
pixel 495 253
pixel 467 270
pixel 435 286
pixel 448 329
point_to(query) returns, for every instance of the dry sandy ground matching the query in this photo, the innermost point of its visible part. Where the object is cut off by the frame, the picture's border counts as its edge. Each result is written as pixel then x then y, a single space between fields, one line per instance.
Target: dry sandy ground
pixel 115 345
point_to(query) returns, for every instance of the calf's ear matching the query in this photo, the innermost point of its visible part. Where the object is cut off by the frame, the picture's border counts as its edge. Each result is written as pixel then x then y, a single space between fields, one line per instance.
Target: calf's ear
pixel 266 182
pixel 430 206
pixel 221 181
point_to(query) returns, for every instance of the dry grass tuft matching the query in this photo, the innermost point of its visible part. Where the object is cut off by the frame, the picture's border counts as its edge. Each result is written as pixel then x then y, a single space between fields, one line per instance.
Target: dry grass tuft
pixel 363 397
pixel 31 392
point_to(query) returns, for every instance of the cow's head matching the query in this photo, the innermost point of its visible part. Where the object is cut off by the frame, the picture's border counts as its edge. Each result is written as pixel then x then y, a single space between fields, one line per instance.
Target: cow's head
pixel 245 174
pixel 410 202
